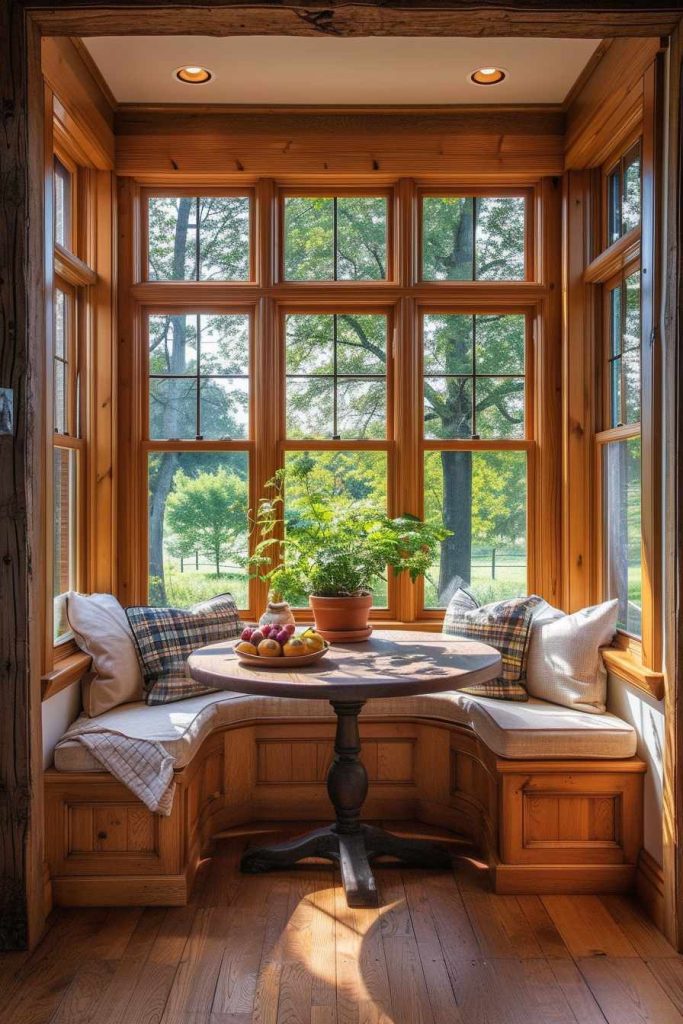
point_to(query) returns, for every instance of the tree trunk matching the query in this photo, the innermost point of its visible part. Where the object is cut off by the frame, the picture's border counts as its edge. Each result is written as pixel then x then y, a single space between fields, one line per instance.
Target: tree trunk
pixel 456 550
pixel 169 462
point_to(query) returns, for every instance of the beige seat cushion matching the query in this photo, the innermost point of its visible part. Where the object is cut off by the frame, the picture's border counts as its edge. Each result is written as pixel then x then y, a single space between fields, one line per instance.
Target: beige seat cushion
pixel 533 730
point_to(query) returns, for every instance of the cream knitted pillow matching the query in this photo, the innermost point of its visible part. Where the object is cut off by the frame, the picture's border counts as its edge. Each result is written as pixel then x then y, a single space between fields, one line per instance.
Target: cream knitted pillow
pixel 564 664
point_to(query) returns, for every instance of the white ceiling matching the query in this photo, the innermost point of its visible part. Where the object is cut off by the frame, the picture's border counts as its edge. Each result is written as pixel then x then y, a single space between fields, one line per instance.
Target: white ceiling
pixel 325 70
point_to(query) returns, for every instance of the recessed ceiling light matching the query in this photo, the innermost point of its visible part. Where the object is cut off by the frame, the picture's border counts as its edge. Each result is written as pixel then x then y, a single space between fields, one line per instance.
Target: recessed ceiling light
pixel 487 76
pixel 193 74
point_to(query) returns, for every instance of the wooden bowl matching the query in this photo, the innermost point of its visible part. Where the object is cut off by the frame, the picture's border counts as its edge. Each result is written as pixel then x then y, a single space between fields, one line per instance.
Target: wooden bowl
pixel 301 659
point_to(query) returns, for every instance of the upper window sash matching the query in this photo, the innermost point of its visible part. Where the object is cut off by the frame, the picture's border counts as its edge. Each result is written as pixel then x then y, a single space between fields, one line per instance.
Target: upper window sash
pixel 193 235
pixel 623 194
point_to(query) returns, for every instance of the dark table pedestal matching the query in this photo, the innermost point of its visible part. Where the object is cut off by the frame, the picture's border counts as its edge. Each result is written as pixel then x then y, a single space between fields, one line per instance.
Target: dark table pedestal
pixel 348 842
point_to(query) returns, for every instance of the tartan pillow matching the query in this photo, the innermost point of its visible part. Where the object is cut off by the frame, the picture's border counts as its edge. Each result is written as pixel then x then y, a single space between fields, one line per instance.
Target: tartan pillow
pixel 505 625
pixel 165 637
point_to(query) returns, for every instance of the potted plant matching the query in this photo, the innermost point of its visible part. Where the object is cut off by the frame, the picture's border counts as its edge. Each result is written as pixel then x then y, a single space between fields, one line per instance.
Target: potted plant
pixel 333 552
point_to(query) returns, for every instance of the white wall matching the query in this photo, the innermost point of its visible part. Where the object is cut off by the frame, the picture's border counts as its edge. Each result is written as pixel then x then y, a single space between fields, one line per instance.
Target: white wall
pixel 646 715
pixel 58 714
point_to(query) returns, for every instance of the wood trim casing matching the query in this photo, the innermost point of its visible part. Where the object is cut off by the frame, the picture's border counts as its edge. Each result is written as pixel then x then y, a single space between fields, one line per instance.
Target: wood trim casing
pixel 66 671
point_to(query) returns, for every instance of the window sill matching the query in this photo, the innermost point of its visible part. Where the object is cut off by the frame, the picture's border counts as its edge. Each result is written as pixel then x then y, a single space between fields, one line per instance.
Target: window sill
pixel 66 671
pixel 625 665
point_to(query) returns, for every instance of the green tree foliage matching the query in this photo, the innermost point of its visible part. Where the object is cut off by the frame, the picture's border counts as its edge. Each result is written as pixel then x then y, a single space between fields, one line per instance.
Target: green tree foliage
pixel 206 513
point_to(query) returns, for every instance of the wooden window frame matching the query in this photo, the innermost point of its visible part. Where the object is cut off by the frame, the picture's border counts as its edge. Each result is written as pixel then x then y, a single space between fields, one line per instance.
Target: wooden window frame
pixel 531 268
pixel 401 298
pixel 150 192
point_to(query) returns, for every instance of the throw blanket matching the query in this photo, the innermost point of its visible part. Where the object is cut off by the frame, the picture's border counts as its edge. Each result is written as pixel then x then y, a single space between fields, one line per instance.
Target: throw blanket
pixel 141 765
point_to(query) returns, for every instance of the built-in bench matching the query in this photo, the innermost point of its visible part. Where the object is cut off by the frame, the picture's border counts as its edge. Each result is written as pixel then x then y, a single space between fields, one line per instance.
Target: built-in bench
pixel 551 796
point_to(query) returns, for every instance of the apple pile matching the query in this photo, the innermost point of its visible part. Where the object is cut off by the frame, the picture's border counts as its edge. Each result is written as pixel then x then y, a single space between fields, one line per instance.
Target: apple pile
pixel 279 641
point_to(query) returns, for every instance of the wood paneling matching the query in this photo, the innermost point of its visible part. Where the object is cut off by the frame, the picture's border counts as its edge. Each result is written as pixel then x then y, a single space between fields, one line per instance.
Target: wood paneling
pixel 187 146
pixel 610 104
pixel 459 18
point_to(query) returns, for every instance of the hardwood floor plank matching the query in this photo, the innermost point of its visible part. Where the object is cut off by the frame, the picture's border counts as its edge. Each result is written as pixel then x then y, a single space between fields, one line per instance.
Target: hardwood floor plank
pixel 195 980
pixel 268 985
pixel 543 927
pixel 84 993
pixel 363 995
pixel 500 925
pixel 586 926
pixel 627 991
pixel 238 975
pixel 669 974
pixel 407 983
pixel 647 940
pixel 576 991
pixel 117 995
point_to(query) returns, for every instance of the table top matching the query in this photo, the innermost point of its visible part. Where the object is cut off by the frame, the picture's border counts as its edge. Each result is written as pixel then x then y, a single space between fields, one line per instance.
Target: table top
pixel 391 663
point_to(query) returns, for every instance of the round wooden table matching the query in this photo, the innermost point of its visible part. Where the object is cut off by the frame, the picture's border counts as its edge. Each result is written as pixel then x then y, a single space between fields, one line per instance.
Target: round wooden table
pixel 388 664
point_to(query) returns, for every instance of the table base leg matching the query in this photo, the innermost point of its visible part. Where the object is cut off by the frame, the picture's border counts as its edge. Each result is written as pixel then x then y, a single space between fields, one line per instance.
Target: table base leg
pixel 353 851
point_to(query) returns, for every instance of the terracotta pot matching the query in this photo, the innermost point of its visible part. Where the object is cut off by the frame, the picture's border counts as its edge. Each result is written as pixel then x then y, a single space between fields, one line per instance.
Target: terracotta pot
pixel 342 618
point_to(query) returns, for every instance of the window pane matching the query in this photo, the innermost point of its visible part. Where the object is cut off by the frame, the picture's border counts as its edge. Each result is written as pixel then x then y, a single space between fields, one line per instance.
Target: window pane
pixel 204 351
pixel 448 343
pixel 465 394
pixel 500 343
pixel 632 321
pixel 336 375
pixel 346 484
pixel 203 238
pixel 60 364
pixel 465 238
pixel 198 526
pixel 614 205
pixel 172 408
pixel 622 531
pixel 499 238
pixel 335 239
pixel 224 408
pixel 630 210
pixel 481 498
pixel 448 407
pixel 62 201
pixel 500 407
pixel 64 536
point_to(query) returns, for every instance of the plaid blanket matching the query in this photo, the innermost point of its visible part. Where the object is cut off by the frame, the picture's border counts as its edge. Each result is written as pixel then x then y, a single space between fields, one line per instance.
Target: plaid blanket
pixel 144 766
pixel 505 625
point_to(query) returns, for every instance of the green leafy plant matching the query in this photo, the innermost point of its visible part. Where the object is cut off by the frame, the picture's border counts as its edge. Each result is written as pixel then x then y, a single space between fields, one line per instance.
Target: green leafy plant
pixel 333 545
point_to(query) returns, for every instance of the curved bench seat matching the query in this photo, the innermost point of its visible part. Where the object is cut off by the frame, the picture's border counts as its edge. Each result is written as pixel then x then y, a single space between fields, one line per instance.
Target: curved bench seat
pixel 535 729
pixel 552 797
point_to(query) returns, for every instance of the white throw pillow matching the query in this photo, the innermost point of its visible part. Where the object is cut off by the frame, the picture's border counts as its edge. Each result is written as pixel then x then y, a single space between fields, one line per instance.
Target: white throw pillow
pixel 101 629
pixel 564 664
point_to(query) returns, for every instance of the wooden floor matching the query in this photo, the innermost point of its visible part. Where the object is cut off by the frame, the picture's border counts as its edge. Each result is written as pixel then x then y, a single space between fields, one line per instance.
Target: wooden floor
pixel 285 949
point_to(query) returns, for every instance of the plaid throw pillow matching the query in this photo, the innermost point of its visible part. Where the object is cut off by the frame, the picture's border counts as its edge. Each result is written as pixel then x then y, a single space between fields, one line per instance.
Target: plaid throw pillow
pixel 165 637
pixel 505 625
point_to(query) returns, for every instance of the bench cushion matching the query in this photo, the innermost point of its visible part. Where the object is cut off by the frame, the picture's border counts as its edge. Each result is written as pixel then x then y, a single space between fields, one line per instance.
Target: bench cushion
pixel 532 730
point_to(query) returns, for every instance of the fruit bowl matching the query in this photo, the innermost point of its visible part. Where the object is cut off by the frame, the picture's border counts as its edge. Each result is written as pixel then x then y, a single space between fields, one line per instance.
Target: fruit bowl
pixel 294 661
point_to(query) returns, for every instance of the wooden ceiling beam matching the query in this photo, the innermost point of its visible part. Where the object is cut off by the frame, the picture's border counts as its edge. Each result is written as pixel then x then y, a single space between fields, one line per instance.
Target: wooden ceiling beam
pixel 551 18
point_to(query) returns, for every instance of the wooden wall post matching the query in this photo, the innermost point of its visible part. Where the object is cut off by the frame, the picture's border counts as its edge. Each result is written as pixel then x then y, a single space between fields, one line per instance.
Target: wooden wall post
pixel 22 371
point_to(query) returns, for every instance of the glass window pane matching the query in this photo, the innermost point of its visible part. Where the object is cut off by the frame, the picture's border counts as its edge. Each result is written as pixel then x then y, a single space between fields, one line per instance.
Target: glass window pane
pixel 621 462
pixel 62 201
pixel 447 238
pixel 224 408
pixel 309 238
pixel 482 498
pixel 361 408
pixel 361 238
pixel 500 407
pixel 631 365
pixel 198 238
pixel 499 238
pixel 64 562
pixel 326 355
pixel 224 344
pixel 173 344
pixel 310 408
pixel 448 341
pixel 448 407
pixel 309 342
pixel 615 392
pixel 198 526
pixel 172 408
pixel 500 342
pixel 632 329
pixel 348 485
pixel 630 210
pixel 614 205
pixel 465 238
pixel 60 396
pixel 615 320
pixel 223 238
